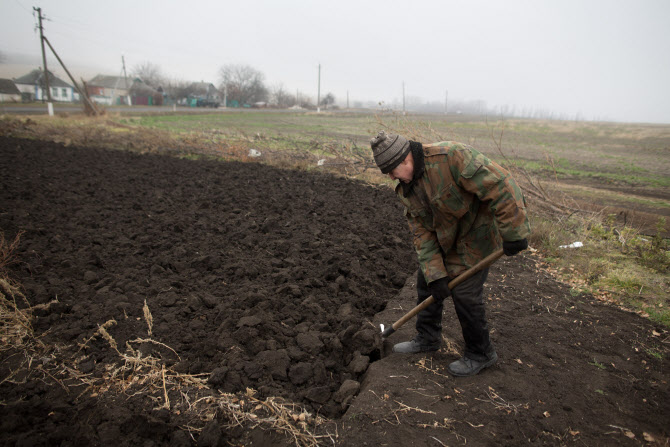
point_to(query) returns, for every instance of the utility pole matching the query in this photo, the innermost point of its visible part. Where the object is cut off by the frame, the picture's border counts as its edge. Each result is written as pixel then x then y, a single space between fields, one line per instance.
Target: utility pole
pixel 403 97
pixel 125 79
pixel 82 92
pixel 318 93
pixel 44 62
pixel 347 99
pixel 125 75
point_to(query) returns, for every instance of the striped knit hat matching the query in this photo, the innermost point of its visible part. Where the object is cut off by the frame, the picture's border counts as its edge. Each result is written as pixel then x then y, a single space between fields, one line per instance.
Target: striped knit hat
pixel 389 150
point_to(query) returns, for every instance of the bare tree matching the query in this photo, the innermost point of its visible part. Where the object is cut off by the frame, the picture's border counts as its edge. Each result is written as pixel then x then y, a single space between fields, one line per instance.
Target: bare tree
pixel 243 83
pixel 328 100
pixel 177 89
pixel 150 73
pixel 281 97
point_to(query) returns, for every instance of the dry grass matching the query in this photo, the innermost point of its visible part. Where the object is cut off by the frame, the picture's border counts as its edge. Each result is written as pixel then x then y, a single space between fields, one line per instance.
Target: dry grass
pixel 15 324
pixel 189 395
pixel 104 132
pixel 501 404
pixel 427 365
pixel 135 374
pixel 271 413
pixel 394 413
pixel 15 320
pixel 186 395
pixel 148 318
pixel 616 264
pixel 17 339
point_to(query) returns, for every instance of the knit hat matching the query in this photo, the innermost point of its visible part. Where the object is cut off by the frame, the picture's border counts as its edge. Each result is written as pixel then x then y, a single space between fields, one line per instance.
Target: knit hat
pixel 389 150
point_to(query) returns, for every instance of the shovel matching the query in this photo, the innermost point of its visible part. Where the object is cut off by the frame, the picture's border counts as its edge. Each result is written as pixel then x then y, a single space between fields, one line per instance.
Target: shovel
pixel 487 261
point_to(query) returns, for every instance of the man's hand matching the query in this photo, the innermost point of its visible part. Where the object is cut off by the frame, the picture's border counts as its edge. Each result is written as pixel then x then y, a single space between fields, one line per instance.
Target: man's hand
pixel 439 289
pixel 510 248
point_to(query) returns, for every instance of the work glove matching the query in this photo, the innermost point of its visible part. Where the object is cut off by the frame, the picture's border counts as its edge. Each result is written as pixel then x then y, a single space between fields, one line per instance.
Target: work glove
pixel 510 248
pixel 439 289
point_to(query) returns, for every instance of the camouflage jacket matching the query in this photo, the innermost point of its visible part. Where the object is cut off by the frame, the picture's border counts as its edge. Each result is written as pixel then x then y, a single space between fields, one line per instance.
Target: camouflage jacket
pixel 459 209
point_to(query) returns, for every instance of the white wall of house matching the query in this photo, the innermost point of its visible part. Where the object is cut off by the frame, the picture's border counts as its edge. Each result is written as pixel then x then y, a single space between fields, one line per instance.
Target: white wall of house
pixel 103 100
pixel 110 96
pixel 6 97
pixel 59 94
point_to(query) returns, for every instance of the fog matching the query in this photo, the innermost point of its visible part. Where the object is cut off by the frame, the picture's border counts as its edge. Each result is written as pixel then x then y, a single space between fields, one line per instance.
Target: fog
pixel 596 59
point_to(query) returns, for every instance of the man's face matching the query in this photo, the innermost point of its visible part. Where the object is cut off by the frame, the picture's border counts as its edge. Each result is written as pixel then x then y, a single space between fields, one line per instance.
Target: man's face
pixel 404 171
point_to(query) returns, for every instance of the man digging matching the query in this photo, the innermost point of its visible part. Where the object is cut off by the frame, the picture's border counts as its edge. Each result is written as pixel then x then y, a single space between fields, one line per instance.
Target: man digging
pixel 459 205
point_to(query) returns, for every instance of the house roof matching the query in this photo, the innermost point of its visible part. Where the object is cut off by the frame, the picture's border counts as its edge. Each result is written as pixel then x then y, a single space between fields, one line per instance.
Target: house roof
pixel 203 87
pixel 140 88
pixel 8 87
pixel 36 77
pixel 107 81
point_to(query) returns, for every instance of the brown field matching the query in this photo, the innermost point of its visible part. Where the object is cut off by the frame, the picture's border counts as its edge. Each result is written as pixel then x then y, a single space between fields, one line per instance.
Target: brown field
pixel 167 294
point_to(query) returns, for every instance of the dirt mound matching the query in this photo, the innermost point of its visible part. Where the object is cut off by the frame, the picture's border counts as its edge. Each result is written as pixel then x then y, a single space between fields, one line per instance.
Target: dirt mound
pixel 264 278
pixel 160 283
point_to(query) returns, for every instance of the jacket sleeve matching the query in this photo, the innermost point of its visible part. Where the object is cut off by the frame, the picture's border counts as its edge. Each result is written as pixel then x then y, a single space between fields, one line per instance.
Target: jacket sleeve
pixel 494 185
pixel 428 250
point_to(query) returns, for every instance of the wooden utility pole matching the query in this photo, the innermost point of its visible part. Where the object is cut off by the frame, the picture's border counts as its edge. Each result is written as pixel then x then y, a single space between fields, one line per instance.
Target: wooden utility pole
pixel 125 75
pixel 83 93
pixel 92 109
pixel 125 79
pixel 44 56
pixel 318 93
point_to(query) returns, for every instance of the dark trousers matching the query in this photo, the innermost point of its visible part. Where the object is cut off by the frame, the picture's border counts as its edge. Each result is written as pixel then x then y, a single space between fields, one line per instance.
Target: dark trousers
pixel 468 298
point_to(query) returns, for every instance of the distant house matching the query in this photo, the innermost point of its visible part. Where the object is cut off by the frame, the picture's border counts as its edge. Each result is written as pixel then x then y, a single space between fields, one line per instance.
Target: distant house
pixel 8 91
pixel 33 87
pixel 109 90
pixel 144 95
pixel 204 94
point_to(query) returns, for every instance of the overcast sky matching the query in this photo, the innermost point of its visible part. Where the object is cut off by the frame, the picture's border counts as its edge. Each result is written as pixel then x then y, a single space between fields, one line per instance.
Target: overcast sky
pixel 599 59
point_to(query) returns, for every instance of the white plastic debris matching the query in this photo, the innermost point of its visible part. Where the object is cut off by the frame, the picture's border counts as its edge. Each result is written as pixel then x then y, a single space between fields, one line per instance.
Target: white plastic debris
pixel 254 153
pixel 382 326
pixel 573 245
pixel 321 162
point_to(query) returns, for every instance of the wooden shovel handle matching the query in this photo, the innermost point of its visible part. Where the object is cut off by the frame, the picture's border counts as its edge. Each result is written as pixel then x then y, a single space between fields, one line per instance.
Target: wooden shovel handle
pixel 486 262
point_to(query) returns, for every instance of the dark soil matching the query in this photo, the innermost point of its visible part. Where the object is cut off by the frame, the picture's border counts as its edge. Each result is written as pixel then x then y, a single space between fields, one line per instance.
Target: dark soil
pixel 277 281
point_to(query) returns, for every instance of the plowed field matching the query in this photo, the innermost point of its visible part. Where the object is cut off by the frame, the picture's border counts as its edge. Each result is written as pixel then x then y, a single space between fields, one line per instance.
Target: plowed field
pixel 211 278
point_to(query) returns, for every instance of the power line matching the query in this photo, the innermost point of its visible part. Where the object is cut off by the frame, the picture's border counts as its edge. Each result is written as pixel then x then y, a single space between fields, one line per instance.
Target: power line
pixel 128 45
pixel 63 20
pixel 25 8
